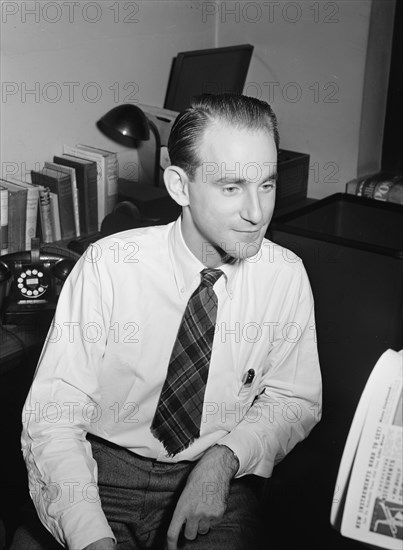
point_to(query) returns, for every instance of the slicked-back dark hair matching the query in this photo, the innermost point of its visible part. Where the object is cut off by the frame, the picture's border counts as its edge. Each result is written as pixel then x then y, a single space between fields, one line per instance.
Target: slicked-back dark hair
pixel 236 110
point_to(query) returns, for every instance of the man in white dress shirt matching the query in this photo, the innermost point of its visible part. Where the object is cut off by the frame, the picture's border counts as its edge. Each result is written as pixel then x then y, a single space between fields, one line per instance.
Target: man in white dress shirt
pixel 99 477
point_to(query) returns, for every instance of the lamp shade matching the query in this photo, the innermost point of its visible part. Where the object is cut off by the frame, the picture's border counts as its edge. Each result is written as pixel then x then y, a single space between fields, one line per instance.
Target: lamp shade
pixel 125 124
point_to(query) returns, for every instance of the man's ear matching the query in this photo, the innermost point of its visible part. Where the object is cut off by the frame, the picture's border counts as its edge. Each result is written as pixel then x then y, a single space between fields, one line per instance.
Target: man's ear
pixel 176 182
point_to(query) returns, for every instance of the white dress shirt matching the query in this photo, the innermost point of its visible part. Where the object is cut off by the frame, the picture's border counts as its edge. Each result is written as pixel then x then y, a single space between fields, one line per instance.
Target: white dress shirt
pixel 106 357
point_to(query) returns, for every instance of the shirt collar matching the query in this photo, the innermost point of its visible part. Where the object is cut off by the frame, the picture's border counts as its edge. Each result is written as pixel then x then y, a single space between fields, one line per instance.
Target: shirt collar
pixel 187 267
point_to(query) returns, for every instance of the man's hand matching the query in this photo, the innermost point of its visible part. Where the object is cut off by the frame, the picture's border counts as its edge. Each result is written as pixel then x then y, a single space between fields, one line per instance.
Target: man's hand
pixel 204 499
pixel 102 544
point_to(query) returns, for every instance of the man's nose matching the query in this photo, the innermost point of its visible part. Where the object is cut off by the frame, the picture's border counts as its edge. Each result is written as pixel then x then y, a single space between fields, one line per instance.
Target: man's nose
pixel 252 208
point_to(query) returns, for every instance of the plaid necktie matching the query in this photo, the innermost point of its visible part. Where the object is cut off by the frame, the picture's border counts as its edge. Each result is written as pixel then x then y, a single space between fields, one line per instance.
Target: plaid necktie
pixel 177 419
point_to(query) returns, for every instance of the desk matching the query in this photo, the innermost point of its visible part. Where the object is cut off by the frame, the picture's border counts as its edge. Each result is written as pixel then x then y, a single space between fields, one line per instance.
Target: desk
pixel 19 352
pixel 17 342
pixel 153 202
pixel 342 241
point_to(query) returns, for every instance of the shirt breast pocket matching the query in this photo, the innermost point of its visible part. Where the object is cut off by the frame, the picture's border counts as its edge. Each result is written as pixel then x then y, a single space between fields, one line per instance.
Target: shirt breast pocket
pixel 249 387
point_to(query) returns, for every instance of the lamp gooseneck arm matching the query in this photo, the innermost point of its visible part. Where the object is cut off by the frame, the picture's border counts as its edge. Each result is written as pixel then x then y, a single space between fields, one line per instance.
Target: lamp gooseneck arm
pixel 156 134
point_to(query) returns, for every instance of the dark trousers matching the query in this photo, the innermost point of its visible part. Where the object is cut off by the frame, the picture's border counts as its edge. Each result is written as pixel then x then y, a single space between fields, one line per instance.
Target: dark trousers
pixel 139 495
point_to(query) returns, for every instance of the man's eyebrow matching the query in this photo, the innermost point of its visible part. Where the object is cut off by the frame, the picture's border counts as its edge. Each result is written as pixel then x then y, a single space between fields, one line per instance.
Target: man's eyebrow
pixel 230 179
pixel 272 177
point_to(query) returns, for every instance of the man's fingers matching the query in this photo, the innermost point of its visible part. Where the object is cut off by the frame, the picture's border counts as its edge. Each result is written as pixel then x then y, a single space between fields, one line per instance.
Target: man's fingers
pixel 204 527
pixel 191 529
pixel 174 532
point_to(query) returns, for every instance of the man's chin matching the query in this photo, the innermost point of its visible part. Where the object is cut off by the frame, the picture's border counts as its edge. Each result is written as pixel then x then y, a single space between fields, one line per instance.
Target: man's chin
pixel 240 250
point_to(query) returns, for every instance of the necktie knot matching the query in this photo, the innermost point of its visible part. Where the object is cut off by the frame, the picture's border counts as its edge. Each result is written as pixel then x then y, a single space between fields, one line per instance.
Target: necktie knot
pixel 210 276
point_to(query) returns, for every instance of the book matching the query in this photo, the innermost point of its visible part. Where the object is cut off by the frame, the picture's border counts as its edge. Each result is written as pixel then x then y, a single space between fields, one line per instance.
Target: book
pixel 111 174
pixel 73 178
pixel 44 225
pixel 3 221
pixel 32 209
pixel 106 184
pixel 55 217
pixel 368 497
pixel 17 211
pixel 60 184
pixel 382 186
pixel 86 174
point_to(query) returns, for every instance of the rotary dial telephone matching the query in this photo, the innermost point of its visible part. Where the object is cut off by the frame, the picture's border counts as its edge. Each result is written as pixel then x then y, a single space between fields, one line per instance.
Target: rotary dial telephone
pixel 31 281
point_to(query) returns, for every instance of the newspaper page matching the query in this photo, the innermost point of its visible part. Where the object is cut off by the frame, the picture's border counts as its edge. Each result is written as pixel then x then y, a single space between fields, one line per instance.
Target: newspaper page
pixel 350 449
pixel 373 511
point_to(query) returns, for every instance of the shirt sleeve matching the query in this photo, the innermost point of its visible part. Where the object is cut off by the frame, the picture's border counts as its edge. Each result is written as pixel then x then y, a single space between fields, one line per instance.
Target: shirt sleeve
pixel 290 402
pixel 62 404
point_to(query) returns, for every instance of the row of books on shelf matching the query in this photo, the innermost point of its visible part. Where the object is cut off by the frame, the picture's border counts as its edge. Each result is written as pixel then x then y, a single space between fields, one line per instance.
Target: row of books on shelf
pixel 67 198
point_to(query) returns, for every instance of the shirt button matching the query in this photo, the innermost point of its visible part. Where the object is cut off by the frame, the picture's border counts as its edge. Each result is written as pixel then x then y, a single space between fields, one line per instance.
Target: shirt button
pixel 182 290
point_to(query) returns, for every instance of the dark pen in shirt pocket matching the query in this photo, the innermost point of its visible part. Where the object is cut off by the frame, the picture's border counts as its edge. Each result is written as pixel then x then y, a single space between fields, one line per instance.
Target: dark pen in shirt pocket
pixel 247 381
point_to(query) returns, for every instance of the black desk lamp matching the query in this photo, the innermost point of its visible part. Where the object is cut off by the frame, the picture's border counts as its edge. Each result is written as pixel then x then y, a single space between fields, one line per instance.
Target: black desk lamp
pixel 127 124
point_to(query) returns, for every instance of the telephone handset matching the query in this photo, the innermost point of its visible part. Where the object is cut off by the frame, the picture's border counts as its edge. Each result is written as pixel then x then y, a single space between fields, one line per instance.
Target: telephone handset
pixel 31 281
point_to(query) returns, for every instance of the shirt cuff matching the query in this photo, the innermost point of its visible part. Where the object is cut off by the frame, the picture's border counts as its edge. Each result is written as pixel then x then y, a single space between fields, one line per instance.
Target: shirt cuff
pixel 252 457
pixel 235 456
pixel 84 526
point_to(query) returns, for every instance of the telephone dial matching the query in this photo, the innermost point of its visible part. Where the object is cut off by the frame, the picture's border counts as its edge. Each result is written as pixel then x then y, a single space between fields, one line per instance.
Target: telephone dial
pixel 31 281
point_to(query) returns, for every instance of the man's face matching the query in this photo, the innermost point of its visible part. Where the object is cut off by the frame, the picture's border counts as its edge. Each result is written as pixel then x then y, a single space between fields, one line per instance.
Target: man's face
pixel 231 198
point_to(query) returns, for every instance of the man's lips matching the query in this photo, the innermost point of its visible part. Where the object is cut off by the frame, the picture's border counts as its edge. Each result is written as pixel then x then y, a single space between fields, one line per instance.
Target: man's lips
pixel 248 231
